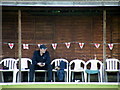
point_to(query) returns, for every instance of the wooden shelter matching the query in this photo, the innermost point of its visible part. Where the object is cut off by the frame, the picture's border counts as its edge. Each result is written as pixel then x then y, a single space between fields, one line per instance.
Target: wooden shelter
pixel 43 25
pixel 49 22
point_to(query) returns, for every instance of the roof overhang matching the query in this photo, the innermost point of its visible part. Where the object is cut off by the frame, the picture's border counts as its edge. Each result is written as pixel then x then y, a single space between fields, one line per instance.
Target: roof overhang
pixel 61 3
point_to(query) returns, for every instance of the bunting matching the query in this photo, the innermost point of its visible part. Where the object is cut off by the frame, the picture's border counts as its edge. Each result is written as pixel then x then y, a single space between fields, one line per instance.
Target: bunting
pixel 67 45
pixel 39 45
pixel 81 45
pixel 11 45
pixel 54 45
pixel 97 45
pixel 110 46
pixel 25 46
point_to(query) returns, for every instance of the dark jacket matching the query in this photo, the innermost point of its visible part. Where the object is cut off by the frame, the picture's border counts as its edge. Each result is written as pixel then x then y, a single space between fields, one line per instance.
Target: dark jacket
pixel 45 58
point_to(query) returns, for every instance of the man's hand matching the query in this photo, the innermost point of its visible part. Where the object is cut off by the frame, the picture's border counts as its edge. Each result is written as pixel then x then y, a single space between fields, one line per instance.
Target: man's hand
pixel 41 64
pixel 57 68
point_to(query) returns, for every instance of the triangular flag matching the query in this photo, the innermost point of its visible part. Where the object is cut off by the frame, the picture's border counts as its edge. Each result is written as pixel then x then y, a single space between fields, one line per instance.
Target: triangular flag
pixel 25 46
pixel 67 45
pixel 97 45
pixel 11 45
pixel 81 45
pixel 110 46
pixel 39 45
pixel 54 45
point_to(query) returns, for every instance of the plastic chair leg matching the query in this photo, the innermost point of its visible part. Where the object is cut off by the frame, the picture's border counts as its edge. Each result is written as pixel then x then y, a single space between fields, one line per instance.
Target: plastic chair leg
pixel 82 77
pixel 67 77
pixel 45 76
pixel 34 77
pixel 28 76
pixel 14 76
pixel 106 76
pixel 99 77
pixel 2 77
pixel 85 76
pixel 72 76
pixel 88 77
pixel 54 76
pixel 118 76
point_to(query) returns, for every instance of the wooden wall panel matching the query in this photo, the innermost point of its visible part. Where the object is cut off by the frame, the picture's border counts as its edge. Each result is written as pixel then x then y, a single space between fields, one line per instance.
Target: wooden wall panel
pixel 9 33
pixel 48 29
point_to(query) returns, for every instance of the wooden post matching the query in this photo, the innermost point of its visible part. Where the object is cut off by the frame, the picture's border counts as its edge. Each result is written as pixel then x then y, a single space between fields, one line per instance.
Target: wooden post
pixel 19 43
pixel 1 52
pixel 104 42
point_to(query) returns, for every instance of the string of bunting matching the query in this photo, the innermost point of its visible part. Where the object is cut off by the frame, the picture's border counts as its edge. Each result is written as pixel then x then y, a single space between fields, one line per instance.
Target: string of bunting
pixel 67 44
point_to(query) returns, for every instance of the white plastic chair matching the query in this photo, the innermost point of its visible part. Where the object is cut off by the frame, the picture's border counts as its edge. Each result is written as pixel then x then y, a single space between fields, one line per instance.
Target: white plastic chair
pixel 11 66
pixel 112 65
pixel 24 66
pixel 55 63
pixel 45 71
pixel 93 69
pixel 77 68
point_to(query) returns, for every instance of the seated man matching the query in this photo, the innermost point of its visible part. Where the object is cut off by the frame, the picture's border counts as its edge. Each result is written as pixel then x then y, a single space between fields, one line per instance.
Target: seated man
pixel 41 61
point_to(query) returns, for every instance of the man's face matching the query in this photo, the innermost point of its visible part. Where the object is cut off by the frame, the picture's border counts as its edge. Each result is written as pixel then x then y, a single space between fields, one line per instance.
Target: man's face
pixel 43 50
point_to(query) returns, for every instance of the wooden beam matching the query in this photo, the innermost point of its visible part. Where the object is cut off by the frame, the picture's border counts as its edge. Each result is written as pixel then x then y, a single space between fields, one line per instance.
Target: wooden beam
pixel 19 43
pixel 1 51
pixel 104 42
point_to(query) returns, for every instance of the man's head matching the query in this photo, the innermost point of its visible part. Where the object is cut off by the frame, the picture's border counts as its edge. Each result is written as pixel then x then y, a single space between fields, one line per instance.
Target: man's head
pixel 43 48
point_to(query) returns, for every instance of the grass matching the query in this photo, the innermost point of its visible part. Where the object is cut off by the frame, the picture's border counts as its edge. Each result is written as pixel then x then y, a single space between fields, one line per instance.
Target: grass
pixel 60 86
